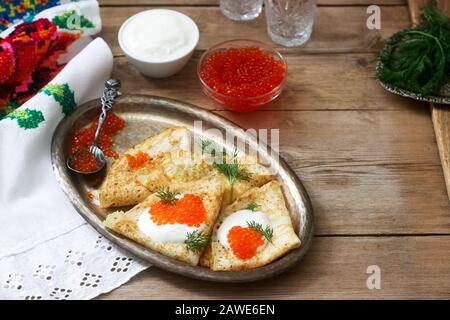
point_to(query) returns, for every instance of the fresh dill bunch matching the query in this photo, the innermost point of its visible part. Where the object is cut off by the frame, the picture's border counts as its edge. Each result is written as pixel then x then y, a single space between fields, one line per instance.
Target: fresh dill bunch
pixel 266 232
pixel 252 206
pixel 167 196
pixel 434 21
pixel 196 240
pixel 418 59
pixel 233 171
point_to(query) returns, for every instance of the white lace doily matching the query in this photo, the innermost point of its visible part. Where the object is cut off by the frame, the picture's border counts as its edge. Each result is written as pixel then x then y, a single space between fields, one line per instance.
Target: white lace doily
pixel 80 264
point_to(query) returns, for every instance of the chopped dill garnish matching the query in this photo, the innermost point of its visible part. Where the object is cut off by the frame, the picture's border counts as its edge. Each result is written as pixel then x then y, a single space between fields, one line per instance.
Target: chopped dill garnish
pixel 233 172
pixel 196 240
pixel 167 196
pixel 208 147
pixel 267 233
pixel 252 206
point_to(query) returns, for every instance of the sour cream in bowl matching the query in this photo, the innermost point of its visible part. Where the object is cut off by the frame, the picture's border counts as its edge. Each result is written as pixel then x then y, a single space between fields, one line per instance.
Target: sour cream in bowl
pixel 159 42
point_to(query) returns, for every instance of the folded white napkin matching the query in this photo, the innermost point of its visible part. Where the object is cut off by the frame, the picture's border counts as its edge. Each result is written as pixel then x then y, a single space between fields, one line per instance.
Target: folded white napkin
pixel 46 249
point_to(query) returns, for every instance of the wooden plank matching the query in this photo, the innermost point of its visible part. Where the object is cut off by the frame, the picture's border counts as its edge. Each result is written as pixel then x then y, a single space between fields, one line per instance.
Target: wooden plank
pixel 439 114
pixel 216 2
pixel 329 34
pixel 335 268
pixel 368 172
pixel 377 199
pixel 441 122
pixel 311 84
pixel 343 137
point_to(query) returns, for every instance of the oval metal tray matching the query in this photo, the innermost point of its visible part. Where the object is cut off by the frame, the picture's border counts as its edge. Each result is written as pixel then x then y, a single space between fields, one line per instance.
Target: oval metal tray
pixel 144 115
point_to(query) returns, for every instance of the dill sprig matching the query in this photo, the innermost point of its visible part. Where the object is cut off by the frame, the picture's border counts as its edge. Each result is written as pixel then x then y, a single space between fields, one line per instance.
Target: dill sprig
pixel 266 232
pixel 167 196
pixel 418 59
pixel 252 206
pixel 209 147
pixel 196 240
pixel 232 171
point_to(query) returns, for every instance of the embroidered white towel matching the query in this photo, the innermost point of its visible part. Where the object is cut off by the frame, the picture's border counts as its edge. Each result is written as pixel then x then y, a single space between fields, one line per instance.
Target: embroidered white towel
pixel 46 249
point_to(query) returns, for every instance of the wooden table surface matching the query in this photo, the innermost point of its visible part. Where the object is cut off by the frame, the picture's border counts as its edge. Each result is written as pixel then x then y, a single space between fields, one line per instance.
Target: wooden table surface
pixel 368 159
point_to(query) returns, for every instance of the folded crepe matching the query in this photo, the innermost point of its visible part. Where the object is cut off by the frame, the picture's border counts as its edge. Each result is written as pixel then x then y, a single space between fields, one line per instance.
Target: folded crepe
pixel 129 224
pixel 259 175
pixel 270 201
pixel 175 166
pixel 121 187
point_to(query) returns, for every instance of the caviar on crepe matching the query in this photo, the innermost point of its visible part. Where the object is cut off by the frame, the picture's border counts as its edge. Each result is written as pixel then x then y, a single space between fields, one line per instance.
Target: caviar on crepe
pixel 245 232
pixel 244 242
pixel 138 160
pixel 188 210
pixel 176 218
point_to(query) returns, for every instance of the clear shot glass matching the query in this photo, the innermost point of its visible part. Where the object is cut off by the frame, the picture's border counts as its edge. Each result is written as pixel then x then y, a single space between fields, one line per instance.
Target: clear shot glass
pixel 241 10
pixel 290 22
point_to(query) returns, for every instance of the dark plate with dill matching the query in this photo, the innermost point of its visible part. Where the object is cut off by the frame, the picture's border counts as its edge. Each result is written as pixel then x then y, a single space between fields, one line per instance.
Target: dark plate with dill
pixel 415 62
pixel 147 114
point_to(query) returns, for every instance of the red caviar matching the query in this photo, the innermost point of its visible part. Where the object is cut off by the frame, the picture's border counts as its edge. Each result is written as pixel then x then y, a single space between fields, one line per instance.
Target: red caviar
pixel 242 73
pixel 188 210
pixel 137 161
pixel 83 138
pixel 244 242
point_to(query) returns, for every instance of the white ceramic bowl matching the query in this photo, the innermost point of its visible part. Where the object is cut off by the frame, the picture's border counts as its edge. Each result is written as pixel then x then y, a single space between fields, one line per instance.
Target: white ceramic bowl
pixel 161 68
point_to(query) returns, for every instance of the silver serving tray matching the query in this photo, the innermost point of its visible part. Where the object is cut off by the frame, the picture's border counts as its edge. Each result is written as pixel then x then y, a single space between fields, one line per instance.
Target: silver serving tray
pixel 144 115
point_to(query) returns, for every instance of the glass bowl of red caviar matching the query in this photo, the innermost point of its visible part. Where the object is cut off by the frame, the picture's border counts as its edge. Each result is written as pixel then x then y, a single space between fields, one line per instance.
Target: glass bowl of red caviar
pixel 242 75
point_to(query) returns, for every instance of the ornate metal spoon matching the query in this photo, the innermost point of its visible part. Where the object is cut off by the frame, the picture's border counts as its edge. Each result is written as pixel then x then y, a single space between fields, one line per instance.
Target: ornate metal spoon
pixel 110 93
